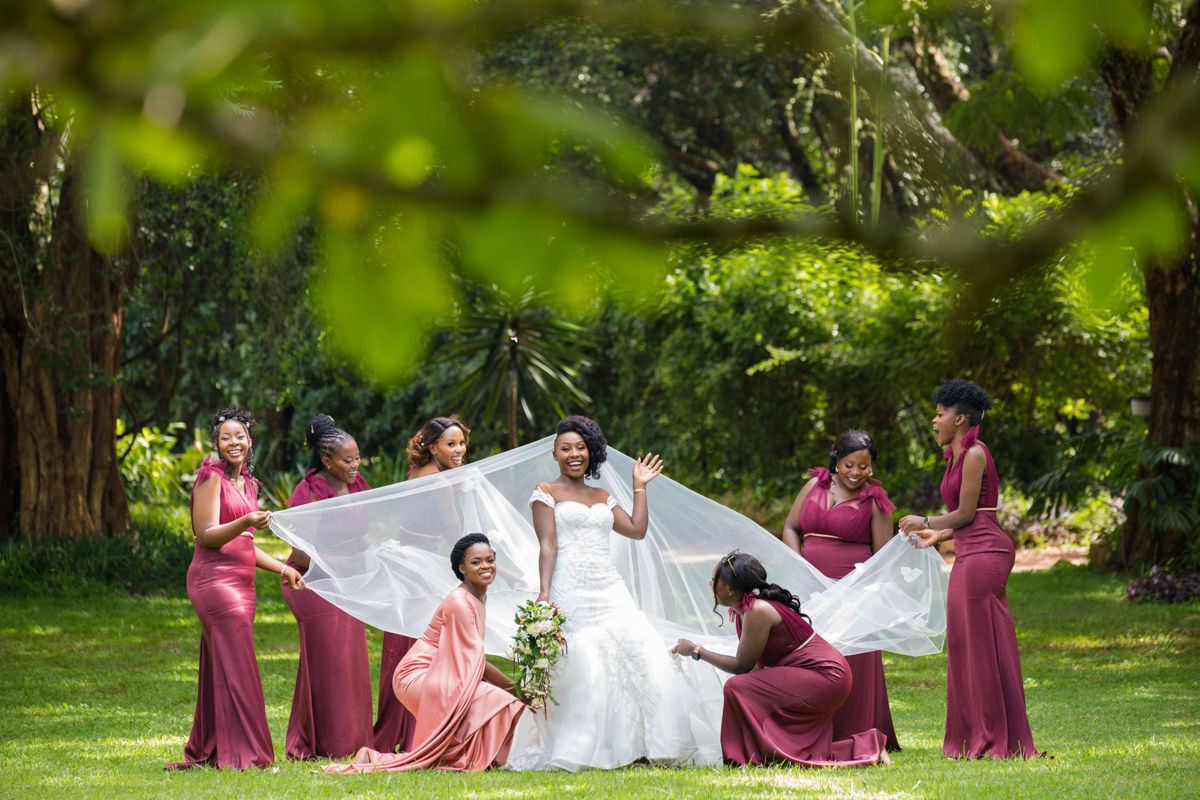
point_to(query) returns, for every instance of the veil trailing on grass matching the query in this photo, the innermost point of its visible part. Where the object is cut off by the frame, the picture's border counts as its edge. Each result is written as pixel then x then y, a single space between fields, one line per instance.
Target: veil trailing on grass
pixel 383 557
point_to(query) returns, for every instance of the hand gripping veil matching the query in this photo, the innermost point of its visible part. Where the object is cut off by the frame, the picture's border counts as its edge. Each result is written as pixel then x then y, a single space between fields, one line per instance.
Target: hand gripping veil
pixel 383 557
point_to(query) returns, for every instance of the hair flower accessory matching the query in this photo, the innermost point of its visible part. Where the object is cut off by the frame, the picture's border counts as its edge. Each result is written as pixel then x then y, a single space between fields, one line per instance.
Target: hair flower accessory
pixel 220 419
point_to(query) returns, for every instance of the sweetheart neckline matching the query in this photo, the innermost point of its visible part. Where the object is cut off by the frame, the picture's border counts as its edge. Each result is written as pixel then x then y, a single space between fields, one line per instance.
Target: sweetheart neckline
pixel 558 503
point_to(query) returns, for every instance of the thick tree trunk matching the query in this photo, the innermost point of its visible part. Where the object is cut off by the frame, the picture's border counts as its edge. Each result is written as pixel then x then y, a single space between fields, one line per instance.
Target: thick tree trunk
pixel 1173 298
pixel 1172 292
pixel 61 316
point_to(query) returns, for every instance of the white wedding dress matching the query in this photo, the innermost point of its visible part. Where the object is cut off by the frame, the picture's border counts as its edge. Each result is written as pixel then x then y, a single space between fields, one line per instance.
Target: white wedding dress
pixel 621 696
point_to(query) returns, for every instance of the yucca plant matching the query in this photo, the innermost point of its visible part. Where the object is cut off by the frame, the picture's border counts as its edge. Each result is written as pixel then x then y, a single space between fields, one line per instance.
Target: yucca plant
pixel 523 348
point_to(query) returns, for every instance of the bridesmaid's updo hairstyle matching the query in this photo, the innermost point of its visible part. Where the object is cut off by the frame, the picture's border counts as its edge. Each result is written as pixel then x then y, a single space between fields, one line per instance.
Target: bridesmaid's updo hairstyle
pixel 419 453
pixel 459 553
pixel 851 442
pixel 744 573
pixel 597 445
pixel 323 438
pixel 237 415
pixel 965 397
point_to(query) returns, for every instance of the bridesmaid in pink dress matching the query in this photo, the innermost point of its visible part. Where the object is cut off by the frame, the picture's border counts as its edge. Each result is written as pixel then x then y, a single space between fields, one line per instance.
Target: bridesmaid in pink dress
pixel 230 725
pixel 985 694
pixel 331 707
pixel 787 681
pixel 841 517
pixel 465 707
pixel 441 444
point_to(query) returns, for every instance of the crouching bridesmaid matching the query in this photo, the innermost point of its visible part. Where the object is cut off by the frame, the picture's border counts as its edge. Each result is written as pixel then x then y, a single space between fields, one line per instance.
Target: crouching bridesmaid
pixel 783 711
pixel 465 709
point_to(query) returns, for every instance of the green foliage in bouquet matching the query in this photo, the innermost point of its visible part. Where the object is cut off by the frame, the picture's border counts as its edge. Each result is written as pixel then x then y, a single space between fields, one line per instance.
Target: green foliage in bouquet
pixel 537 647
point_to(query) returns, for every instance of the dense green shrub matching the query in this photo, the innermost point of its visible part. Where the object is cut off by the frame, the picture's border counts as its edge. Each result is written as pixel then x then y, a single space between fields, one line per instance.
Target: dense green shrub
pixel 152 558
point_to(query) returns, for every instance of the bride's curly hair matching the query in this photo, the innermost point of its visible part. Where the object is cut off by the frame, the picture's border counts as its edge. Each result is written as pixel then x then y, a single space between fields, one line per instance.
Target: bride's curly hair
pixel 597 445
pixel 744 573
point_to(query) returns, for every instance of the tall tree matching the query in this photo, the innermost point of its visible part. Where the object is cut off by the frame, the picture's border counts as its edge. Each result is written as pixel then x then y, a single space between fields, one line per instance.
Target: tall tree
pixel 1172 277
pixel 62 307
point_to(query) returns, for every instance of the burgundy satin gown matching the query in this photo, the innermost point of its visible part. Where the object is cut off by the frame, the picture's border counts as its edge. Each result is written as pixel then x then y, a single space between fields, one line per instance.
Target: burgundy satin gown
pixel 395 724
pixel 985 694
pixel 783 713
pixel 331 706
pixel 230 725
pixel 835 539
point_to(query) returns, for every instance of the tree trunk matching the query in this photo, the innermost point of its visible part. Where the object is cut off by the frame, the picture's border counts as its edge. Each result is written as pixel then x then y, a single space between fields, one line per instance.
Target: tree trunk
pixel 513 399
pixel 61 315
pixel 1172 293
pixel 1173 298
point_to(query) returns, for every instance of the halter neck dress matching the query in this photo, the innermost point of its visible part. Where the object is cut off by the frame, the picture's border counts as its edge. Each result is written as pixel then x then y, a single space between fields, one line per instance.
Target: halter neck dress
pixel 985 693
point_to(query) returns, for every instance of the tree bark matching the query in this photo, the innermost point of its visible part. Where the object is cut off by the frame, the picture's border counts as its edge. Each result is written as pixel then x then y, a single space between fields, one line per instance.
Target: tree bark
pixel 1172 295
pixel 61 320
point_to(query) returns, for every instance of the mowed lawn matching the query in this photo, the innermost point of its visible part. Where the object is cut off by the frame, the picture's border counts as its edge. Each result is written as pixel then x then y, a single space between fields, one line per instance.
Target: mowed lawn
pixel 96 695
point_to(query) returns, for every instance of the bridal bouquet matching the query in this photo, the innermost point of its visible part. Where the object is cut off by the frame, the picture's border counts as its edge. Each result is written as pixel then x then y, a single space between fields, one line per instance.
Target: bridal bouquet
pixel 537 647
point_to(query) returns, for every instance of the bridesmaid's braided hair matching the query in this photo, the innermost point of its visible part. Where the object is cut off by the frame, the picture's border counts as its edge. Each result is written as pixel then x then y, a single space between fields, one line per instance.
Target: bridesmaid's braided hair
pixel 965 397
pixel 851 442
pixel 744 573
pixel 324 437
pixel 593 437
pixel 459 553
pixel 248 423
pixel 419 446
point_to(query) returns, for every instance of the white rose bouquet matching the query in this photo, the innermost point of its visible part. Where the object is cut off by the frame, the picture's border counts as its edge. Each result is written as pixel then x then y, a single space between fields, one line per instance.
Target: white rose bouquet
pixel 537 647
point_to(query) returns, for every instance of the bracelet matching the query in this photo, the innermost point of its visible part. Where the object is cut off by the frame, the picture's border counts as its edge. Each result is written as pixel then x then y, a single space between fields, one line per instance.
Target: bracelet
pixel 635 491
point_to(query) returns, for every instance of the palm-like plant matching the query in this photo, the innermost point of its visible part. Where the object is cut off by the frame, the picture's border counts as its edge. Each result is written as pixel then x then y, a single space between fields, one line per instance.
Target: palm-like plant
pixel 525 348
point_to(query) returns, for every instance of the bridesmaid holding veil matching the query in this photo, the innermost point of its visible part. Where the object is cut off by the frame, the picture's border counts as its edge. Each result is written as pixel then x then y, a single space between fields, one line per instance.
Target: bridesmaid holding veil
pixel 787 681
pixel 440 445
pixel 464 706
pixel 331 706
pixel 985 694
pixel 230 725
pixel 842 517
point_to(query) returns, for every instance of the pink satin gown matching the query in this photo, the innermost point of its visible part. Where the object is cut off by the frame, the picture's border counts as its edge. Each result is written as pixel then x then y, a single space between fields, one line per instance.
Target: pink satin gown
pixel 835 539
pixel 463 722
pixel 331 705
pixel 783 713
pixel 230 725
pixel 985 694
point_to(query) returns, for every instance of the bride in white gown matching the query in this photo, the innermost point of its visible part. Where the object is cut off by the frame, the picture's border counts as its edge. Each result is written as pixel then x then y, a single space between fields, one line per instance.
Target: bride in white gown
pixel 622 698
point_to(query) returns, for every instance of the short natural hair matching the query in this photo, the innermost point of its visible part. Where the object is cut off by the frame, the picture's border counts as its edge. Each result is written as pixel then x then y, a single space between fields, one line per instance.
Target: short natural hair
pixel 965 397
pixel 459 553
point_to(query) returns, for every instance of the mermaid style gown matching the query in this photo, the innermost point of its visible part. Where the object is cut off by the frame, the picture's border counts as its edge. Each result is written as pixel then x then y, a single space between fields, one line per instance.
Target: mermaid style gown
pixel 621 696
pixel 985 694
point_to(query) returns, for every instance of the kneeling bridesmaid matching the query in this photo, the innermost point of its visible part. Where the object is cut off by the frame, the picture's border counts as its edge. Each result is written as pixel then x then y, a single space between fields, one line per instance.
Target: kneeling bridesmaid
pixel 783 711
pixel 331 706
pixel 465 709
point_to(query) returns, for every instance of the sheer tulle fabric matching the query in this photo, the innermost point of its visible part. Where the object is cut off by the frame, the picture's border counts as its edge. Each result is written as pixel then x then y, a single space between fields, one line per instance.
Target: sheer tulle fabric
pixel 382 573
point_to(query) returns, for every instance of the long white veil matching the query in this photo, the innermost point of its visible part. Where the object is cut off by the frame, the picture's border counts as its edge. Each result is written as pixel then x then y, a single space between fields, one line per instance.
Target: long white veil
pixel 383 557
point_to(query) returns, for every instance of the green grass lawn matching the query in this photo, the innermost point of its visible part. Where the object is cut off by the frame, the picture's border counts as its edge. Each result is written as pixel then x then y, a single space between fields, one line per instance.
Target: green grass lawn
pixel 96 695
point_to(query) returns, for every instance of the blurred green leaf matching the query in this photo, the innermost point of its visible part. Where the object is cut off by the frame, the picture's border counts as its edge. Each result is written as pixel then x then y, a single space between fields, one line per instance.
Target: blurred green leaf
pixel 106 189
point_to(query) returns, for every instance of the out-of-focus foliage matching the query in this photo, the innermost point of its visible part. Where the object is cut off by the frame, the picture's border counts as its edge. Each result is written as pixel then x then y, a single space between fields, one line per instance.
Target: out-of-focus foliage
pixel 154 470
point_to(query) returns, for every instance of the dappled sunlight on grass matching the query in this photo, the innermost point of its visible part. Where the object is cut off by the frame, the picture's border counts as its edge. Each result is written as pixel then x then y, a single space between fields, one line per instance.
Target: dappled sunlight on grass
pixel 95 696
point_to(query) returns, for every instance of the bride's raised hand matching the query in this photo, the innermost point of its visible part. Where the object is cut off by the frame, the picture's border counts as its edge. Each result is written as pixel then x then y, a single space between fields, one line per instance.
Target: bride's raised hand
pixel 646 469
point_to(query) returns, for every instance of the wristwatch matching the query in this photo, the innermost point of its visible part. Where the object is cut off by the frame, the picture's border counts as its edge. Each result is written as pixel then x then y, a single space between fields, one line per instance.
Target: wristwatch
pixel 926 522
pixel 696 653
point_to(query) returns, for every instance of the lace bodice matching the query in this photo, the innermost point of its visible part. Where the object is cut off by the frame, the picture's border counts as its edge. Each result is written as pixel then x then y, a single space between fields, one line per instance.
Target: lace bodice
pixel 584 553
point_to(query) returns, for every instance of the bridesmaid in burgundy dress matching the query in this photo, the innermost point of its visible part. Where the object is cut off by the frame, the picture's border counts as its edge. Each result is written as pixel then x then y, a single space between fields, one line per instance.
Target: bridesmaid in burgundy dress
pixel 985 694
pixel 841 517
pixel 441 444
pixel 782 710
pixel 230 725
pixel 331 707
